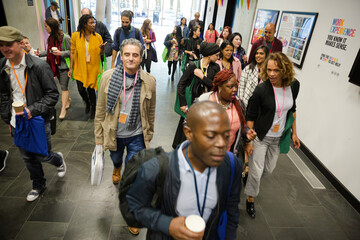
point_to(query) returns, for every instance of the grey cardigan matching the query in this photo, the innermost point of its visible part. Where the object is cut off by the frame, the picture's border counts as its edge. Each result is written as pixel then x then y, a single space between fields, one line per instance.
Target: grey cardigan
pixel 64 54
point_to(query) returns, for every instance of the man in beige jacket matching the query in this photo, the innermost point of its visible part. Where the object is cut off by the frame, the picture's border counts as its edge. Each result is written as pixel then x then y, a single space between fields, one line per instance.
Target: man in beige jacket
pixel 125 121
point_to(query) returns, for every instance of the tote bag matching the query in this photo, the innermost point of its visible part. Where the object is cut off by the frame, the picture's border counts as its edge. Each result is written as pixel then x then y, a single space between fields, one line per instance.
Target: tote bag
pixel 30 134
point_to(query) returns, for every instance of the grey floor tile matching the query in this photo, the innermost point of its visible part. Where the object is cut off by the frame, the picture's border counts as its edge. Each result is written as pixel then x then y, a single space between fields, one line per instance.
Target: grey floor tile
pixel 91 220
pixel 42 231
pixel 5 183
pixel 61 210
pixel 85 142
pixel 121 232
pixel 65 189
pixel 14 163
pixel 12 221
pixel 291 233
pixel 78 166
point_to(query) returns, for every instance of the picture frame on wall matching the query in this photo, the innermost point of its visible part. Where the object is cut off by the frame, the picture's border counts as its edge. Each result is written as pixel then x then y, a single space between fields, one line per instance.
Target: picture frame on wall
pixel 294 31
pixel 263 17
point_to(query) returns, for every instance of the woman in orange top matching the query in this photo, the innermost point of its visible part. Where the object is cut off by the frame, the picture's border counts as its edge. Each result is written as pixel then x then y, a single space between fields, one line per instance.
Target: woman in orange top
pixel 86 49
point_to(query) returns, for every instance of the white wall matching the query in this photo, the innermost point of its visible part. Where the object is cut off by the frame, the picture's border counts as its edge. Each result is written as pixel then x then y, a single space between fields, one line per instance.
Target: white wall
pixel 209 14
pixel 328 106
pixel 242 18
pixel 220 19
pixel 23 17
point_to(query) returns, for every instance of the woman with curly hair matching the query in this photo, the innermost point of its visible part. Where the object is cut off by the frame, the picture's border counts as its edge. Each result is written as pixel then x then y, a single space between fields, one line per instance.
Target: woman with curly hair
pixel 58 41
pixel 271 112
pixel 149 38
pixel 86 49
pixel 224 35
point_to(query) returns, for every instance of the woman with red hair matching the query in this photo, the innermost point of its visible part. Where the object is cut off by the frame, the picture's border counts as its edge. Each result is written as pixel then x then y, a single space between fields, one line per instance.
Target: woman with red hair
pixel 224 35
pixel 224 92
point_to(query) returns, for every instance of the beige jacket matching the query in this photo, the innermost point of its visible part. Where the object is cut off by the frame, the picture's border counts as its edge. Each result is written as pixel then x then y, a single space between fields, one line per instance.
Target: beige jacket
pixel 106 123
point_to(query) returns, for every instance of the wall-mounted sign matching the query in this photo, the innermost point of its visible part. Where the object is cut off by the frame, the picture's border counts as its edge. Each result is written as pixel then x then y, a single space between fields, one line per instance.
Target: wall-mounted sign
pixel 294 32
pixel 263 17
pixel 30 2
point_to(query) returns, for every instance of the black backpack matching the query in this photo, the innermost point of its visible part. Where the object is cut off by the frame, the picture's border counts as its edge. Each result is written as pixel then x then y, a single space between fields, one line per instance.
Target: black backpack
pixel 137 34
pixel 129 176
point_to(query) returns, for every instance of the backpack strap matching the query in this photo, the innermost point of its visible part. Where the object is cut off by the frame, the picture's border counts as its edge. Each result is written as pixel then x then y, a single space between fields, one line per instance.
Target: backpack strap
pixel 118 31
pixel 232 162
pixel 163 165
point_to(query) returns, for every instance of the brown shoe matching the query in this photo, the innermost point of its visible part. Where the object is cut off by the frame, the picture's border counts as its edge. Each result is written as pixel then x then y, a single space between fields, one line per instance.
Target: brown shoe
pixel 134 231
pixel 116 177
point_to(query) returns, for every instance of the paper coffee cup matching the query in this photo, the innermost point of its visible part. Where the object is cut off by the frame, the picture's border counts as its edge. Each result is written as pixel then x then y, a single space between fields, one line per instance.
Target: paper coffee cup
pixel 54 49
pixel 195 223
pixel 18 106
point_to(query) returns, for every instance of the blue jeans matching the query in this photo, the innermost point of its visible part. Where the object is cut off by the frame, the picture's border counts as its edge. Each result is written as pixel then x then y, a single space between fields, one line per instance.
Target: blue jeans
pixel 33 161
pixel 133 145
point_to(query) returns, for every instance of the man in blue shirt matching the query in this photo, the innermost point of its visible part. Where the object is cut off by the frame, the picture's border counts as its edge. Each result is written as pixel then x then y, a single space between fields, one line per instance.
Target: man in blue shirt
pixel 126 31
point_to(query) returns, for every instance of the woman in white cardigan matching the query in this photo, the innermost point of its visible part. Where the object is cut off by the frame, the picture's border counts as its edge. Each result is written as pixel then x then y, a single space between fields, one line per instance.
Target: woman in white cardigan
pixel 249 78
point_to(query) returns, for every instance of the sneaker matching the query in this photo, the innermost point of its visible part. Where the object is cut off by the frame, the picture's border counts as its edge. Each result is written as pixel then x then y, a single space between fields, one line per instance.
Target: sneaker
pixel 62 168
pixel 34 194
pixel 3 156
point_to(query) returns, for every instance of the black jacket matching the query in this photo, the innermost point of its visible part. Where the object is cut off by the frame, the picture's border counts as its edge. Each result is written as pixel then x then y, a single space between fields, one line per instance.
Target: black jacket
pixel 41 91
pixel 192 24
pixel 199 85
pixel 157 220
pixel 102 30
pixel 261 107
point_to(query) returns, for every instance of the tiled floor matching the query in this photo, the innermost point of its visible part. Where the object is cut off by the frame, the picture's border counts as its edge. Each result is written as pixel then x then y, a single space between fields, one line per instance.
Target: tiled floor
pixel 287 207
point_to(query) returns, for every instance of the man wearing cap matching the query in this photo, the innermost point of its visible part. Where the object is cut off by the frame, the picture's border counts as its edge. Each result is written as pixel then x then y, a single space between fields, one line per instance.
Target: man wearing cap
pixel 53 12
pixel 28 79
pixel 204 75
pixel 197 181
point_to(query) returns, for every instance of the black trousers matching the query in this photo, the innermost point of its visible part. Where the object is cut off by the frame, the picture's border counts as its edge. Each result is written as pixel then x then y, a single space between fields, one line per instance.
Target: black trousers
pixel 147 61
pixel 173 63
pixel 87 94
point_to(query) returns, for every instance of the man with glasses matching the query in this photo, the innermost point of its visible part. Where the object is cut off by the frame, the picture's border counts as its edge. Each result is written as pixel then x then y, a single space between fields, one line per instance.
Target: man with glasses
pixel 126 31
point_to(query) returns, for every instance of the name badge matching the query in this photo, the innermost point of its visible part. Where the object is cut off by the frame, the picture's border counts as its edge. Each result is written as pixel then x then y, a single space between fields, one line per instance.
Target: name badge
pixel 87 58
pixel 276 127
pixel 123 117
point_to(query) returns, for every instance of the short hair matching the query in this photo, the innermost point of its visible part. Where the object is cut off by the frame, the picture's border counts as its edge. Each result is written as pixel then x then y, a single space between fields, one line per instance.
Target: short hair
pixel 127 13
pixel 197 14
pixel 90 12
pixel 285 65
pixel 131 41
pixel 25 37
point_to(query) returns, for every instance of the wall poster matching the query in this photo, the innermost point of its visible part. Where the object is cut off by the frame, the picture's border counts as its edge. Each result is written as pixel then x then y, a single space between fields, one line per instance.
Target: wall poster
pixel 263 17
pixel 294 32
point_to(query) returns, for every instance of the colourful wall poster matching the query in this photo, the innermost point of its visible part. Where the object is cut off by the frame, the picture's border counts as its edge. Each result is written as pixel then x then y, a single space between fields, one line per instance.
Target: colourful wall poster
pixel 295 31
pixel 263 17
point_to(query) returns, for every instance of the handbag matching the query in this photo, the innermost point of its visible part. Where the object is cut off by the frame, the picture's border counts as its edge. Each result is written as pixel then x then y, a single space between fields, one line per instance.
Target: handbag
pixel 97 165
pixel 164 54
pixel 153 54
pixel 30 134
pixel 67 59
pixel 184 58
pixel 221 229
pixel 101 73
pixel 188 95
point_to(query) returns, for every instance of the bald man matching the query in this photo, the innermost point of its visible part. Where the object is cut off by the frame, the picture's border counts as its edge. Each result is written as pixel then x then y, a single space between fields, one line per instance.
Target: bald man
pixel 202 157
pixel 269 40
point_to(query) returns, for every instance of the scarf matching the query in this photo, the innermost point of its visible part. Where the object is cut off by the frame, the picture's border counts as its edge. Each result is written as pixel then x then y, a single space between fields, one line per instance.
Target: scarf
pixel 115 88
pixel 51 59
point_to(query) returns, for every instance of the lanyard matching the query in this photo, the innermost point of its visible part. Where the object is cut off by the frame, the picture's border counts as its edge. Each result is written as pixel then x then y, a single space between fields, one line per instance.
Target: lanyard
pixel 201 211
pixel 202 69
pixel 124 81
pixel 271 44
pixel 282 108
pixel 27 71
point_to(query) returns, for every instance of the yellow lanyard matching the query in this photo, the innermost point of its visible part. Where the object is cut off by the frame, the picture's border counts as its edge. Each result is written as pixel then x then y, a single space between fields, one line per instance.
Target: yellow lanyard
pixel 27 71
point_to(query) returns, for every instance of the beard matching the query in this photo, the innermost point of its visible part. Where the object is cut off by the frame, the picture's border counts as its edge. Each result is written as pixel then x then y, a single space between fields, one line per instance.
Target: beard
pixel 127 29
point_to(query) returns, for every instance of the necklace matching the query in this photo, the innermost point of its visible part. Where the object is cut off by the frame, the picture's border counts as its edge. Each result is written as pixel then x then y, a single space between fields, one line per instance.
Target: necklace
pixel 225 106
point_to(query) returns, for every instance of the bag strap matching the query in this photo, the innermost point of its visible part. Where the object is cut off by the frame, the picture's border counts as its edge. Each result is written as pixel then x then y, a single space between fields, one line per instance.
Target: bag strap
pixel 105 65
pixel 64 42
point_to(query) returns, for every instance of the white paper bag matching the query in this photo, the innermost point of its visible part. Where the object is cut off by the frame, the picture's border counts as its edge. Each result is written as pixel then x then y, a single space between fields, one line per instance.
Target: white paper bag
pixel 97 165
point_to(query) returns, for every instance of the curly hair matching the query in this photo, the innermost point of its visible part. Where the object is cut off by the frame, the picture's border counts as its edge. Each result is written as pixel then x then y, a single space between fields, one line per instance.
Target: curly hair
pixel 82 23
pixel 221 78
pixel 285 65
pixel 230 32
pixel 56 33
